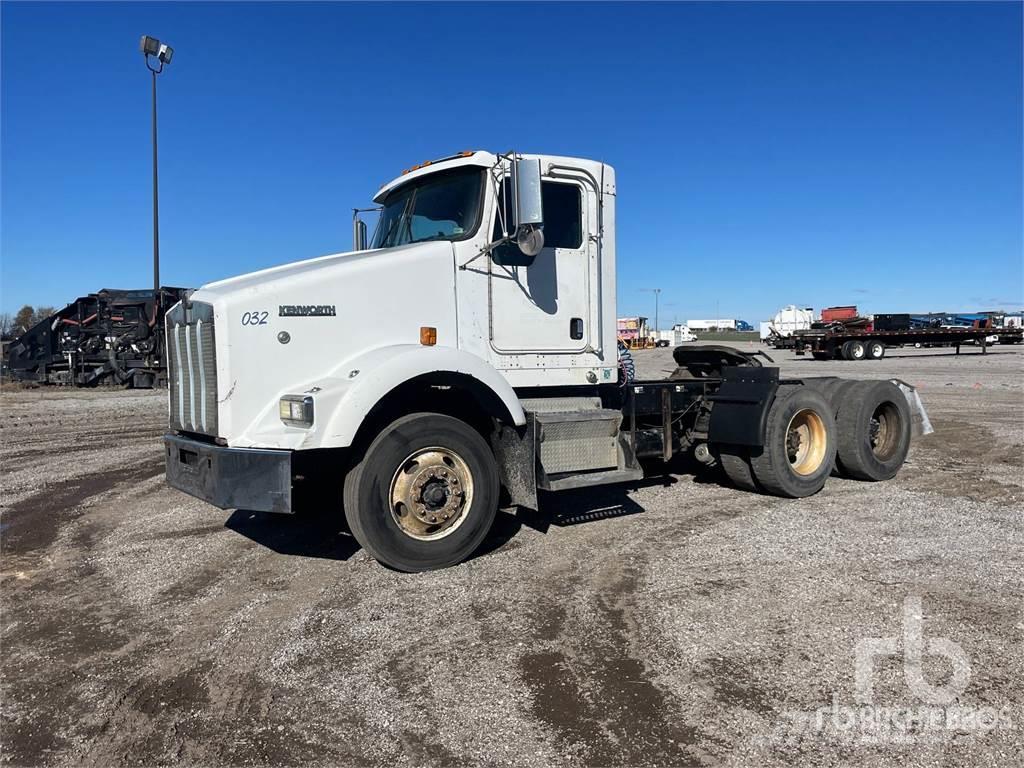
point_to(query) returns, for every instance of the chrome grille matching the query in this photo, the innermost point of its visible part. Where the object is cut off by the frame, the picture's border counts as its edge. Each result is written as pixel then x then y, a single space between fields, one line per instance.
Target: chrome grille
pixel 192 368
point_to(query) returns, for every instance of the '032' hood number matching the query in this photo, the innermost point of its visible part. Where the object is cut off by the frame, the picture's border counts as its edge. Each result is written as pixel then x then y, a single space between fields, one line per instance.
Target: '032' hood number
pixel 255 318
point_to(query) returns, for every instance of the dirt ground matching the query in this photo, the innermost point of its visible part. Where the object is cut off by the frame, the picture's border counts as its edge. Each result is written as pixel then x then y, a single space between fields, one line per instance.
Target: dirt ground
pixel 675 621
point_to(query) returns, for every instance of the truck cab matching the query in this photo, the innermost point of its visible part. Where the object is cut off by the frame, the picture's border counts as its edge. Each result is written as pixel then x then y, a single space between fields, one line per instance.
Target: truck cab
pixel 466 355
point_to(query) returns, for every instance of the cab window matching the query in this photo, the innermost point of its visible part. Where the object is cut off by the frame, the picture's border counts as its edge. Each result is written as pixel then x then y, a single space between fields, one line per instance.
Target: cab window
pixel 563 219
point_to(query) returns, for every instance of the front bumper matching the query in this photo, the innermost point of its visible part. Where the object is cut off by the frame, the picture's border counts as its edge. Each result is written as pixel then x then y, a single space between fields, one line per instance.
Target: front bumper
pixel 230 478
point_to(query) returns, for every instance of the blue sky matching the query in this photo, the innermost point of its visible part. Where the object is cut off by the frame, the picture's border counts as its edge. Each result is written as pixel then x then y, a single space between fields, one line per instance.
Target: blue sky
pixel 766 154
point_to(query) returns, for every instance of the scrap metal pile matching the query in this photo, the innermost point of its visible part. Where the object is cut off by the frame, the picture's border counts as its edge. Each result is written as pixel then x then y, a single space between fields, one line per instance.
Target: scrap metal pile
pixel 111 337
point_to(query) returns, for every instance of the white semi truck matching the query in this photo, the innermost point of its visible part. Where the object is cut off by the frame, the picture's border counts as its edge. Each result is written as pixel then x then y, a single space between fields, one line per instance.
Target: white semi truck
pixel 494 373
pixel 676 335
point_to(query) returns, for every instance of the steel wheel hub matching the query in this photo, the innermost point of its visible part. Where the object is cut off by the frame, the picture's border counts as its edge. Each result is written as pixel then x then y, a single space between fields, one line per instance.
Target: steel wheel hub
pixel 806 439
pixel 883 431
pixel 430 493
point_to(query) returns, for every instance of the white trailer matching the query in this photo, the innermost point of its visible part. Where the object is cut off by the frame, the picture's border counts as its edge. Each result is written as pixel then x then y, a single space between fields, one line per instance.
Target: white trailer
pixel 720 324
pixel 1012 321
pixel 494 372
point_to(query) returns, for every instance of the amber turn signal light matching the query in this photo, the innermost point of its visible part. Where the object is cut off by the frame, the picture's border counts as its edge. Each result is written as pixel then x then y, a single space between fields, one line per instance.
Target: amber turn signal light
pixel 428 336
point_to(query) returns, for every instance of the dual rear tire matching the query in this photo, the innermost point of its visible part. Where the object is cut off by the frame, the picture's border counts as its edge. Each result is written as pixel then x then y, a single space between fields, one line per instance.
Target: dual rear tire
pixel 799 447
pixel 856 349
pixel 856 429
pixel 853 350
pixel 874 426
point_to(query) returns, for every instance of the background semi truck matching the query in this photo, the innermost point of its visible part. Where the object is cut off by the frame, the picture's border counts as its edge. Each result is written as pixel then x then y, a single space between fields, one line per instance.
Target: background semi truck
pixel 673 337
pixel 495 373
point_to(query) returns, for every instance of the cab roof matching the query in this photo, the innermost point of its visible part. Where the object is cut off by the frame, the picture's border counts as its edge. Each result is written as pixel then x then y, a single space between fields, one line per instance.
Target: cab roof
pixel 470 157
pixel 483 159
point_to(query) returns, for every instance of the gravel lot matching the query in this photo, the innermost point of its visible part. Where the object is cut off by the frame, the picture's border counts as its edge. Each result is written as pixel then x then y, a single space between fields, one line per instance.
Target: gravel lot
pixel 672 622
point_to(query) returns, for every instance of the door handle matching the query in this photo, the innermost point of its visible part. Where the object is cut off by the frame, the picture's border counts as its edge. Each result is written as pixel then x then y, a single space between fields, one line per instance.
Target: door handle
pixel 576 328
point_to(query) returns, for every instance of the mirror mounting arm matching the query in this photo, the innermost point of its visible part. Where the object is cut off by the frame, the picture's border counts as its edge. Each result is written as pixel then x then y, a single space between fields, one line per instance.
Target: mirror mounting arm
pixel 486 249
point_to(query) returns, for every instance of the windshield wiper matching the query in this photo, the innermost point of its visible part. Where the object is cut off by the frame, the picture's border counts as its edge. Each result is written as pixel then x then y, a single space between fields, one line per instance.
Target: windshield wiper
pixel 385 241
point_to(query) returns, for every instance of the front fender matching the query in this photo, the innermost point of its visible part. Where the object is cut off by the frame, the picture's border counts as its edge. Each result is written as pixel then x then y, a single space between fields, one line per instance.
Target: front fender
pixel 375 374
pixel 343 399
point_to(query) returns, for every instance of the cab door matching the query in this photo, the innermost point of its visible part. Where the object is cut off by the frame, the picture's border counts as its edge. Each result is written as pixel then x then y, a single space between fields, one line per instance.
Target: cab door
pixel 544 305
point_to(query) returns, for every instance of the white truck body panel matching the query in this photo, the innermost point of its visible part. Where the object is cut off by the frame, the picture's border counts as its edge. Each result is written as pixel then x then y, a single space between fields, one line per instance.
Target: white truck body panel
pixel 507 327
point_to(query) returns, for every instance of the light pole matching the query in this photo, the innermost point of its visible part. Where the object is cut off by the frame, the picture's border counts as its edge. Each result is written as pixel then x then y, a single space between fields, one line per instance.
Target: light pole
pixel 161 53
pixel 657 293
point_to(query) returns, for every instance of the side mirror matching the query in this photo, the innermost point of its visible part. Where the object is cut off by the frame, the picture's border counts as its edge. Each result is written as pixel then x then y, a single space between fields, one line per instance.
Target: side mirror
pixel 358 232
pixel 528 206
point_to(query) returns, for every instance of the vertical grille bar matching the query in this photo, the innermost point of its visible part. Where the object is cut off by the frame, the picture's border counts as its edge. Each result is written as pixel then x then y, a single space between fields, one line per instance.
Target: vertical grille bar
pixel 181 386
pixel 202 374
pixel 191 379
pixel 208 361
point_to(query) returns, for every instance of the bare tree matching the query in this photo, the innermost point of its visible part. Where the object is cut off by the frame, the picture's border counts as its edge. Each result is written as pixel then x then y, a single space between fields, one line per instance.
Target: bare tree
pixel 24 319
pixel 6 325
pixel 42 313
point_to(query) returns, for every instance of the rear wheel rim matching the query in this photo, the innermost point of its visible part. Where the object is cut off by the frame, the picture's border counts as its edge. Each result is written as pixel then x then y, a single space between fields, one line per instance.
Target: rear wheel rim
pixel 806 442
pixel 431 493
pixel 884 431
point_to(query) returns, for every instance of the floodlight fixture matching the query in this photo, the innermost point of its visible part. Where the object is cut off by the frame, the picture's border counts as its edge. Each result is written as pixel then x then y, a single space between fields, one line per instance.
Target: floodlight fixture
pixel 150 46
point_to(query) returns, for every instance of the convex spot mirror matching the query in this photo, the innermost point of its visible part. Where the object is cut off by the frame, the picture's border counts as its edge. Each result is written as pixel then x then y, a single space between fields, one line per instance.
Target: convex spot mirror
pixel 528 206
pixel 530 241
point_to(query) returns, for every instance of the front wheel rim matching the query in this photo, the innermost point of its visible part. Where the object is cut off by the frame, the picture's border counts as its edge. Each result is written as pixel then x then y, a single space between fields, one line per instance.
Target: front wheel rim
pixel 431 493
pixel 806 442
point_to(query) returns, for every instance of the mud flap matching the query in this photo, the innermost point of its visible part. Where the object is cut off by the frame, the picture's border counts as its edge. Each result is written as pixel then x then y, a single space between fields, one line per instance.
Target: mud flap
pixel 741 404
pixel 920 424
pixel 515 451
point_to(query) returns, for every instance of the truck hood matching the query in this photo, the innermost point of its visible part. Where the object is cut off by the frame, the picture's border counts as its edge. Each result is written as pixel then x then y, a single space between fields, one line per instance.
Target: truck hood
pixel 297 269
pixel 279 329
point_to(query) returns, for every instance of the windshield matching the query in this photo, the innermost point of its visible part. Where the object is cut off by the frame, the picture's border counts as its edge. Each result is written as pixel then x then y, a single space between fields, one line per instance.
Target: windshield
pixel 443 206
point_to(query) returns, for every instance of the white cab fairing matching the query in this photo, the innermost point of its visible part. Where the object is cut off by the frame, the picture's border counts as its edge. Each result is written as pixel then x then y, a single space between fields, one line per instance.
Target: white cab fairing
pixel 380 299
pixel 547 323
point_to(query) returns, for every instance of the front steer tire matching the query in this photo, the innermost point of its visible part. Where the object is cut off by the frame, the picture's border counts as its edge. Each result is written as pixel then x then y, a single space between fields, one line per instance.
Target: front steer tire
pixel 799 444
pixel 441 457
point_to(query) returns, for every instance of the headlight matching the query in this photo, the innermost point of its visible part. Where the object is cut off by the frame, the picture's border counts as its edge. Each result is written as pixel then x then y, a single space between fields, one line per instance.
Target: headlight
pixel 296 410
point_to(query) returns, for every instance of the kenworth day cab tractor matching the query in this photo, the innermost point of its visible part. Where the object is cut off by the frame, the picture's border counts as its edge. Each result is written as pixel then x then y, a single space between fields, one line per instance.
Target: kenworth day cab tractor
pixel 493 372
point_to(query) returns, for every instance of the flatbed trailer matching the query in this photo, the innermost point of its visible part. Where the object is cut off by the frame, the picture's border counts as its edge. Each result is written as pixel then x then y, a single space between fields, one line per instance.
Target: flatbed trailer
pixel 862 344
